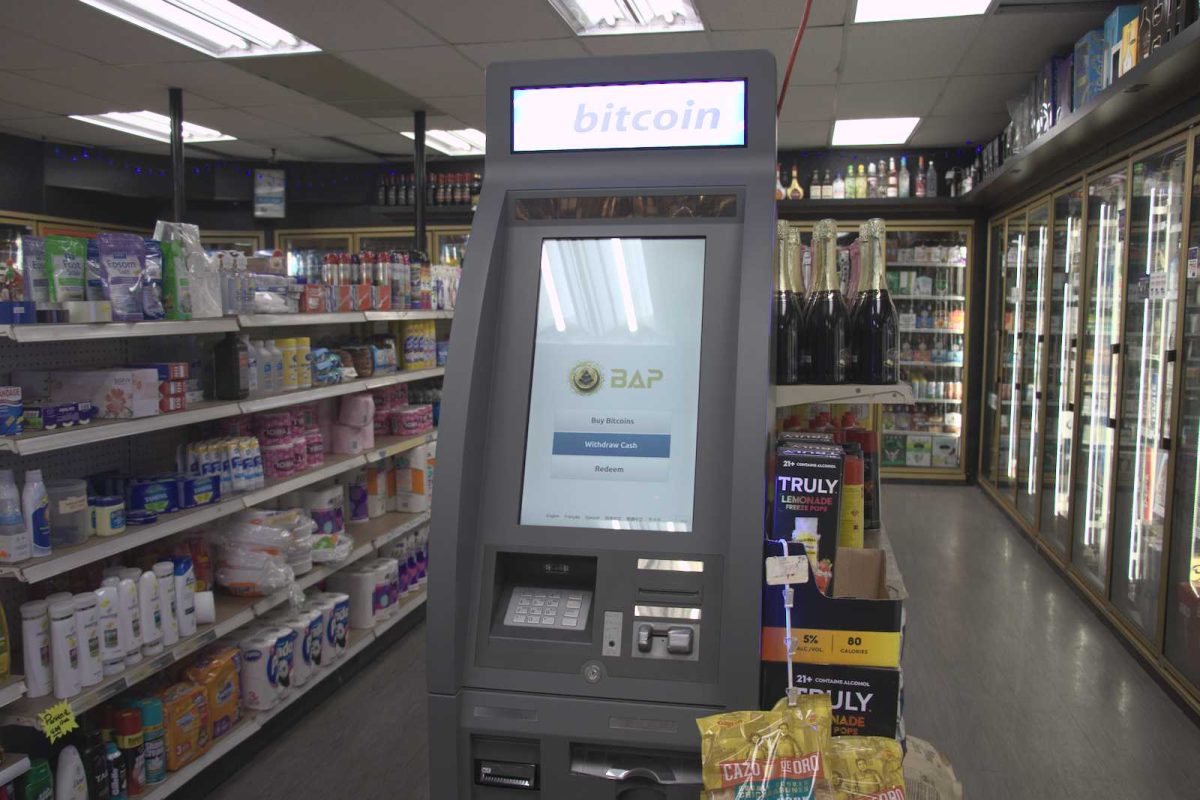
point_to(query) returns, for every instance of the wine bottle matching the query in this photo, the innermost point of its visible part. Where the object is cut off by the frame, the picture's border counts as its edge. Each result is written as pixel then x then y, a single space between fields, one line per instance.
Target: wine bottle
pixel 780 192
pixel 786 311
pixel 875 326
pixel 826 322
pixel 931 180
pixel 795 190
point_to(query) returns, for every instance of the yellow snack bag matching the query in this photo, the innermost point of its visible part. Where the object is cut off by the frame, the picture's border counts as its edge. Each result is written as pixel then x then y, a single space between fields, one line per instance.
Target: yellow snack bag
pixel 767 755
pixel 865 768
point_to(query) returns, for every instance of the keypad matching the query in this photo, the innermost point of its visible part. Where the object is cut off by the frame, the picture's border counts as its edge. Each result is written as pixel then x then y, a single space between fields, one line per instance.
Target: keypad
pixel 549 609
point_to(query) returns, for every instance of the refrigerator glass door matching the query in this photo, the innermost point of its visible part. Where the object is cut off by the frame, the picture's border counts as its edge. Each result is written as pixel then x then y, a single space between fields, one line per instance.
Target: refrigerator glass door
pixel 1147 385
pixel 1033 359
pixel 1061 361
pixel 385 241
pixel 1182 632
pixel 1093 477
pixel 306 253
pixel 1010 354
pixel 993 340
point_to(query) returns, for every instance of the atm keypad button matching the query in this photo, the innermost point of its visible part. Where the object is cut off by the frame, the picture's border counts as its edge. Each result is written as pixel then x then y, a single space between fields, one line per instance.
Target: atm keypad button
pixel 552 603
pixel 570 623
pixel 539 603
pixel 571 613
pixel 574 604
pixel 574 596
pixel 519 619
pixel 547 620
pixel 535 612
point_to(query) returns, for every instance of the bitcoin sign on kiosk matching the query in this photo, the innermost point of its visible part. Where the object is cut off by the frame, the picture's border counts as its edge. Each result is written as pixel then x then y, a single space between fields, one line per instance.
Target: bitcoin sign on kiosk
pixel 597 524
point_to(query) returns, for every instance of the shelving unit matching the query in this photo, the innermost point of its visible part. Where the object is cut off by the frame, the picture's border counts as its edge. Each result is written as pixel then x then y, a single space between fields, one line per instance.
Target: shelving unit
pixel 70 332
pixel 783 396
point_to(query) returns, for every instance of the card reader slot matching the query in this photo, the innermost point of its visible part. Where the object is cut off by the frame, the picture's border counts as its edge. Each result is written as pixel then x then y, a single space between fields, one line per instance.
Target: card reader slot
pixel 662 767
pixel 668 597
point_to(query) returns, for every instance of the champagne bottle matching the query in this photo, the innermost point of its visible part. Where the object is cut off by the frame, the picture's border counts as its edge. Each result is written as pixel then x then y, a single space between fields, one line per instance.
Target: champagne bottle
pixel 826 322
pixel 780 192
pixel 875 327
pixel 786 311
pixel 795 190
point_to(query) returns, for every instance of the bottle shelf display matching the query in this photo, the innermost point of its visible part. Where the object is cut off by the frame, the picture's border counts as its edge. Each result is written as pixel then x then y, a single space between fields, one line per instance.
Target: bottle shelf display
pixel 1091 420
pixel 928 285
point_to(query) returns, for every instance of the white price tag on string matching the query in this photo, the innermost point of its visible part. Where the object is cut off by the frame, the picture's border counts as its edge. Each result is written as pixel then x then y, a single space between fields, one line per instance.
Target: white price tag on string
pixel 783 570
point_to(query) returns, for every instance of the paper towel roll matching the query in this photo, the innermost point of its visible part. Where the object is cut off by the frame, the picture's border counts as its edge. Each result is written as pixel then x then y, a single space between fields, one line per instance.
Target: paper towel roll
pixel 258 687
pixel 206 609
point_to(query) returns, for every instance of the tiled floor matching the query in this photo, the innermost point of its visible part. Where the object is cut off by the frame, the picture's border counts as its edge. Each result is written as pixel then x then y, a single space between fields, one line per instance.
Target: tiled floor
pixel 1006 670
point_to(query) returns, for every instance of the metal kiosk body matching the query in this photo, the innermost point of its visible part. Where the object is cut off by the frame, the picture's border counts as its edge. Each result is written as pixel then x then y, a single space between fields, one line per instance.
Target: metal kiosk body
pixel 597 524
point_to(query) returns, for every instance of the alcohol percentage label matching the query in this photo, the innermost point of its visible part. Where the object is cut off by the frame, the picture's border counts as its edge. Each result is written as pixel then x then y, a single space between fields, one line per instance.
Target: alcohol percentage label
pixel 812 638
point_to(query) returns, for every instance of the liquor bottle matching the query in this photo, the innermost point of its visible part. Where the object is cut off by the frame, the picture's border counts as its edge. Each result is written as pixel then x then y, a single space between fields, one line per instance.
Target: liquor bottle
pixel 795 190
pixel 381 191
pixel 408 199
pixel 839 187
pixel 826 322
pixel 827 186
pixel 786 309
pixel 905 180
pixel 882 172
pixel 861 189
pixel 893 179
pixel 476 188
pixel 851 183
pixel 394 190
pixel 931 179
pixel 872 181
pixel 919 178
pixel 430 189
pixel 780 192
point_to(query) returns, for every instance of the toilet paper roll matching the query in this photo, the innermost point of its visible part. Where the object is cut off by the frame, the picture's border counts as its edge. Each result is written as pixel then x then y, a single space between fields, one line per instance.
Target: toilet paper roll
pixel 206 609
pixel 326 607
pixel 310 635
pixel 360 585
pixel 258 685
pixel 341 620
pixel 285 656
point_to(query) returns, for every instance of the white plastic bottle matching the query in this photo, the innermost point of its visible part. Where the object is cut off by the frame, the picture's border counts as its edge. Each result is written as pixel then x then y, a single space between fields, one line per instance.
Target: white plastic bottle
pixel 35 506
pixel 87 631
pixel 108 601
pixel 64 649
pixel 164 572
pixel 251 366
pixel 151 608
pixel 276 365
pixel 70 780
pixel 15 542
pixel 263 359
pixel 131 618
pixel 185 595
pixel 35 633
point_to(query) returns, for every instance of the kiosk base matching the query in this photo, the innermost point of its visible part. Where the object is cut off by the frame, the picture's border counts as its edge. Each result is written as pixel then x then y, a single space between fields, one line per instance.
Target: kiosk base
pixel 512 746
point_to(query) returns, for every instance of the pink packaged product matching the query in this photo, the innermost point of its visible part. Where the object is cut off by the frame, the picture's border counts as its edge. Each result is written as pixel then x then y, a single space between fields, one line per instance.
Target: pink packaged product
pixel 357 410
pixel 299 452
pixel 236 426
pixel 352 440
pixel 278 460
pixel 304 417
pixel 271 426
pixel 383 416
pixel 412 420
pixel 315 448
pixel 115 393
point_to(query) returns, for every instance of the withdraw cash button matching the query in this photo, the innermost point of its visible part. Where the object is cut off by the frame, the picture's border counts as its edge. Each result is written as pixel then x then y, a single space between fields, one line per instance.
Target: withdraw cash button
pixel 613 445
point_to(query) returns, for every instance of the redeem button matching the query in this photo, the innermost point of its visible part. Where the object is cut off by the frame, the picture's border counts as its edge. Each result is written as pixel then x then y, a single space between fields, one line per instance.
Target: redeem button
pixel 613 445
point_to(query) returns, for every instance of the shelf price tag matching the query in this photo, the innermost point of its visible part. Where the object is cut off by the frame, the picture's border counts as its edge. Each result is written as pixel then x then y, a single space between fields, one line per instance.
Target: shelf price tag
pixel 782 570
pixel 57 721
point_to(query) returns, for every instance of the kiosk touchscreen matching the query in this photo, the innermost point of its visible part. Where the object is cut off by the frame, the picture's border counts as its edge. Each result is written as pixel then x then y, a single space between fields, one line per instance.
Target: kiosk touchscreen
pixel 597 523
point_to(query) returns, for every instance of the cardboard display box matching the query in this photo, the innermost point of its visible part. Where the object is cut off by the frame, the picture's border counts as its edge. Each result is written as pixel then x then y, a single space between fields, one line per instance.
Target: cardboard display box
pixel 866 701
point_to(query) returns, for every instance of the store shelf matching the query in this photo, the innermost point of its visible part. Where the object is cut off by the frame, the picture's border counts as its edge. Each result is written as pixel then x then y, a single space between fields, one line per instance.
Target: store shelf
pixel 401 316
pixel 11 690
pixel 70 332
pixel 280 320
pixel 894 432
pixel 929 364
pixel 98 548
pixel 924 264
pixel 252 722
pixel 950 297
pixel 232 613
pixel 871 206
pixel 941 400
pixel 12 767
pixel 898 393
pixel 336 390
pixel 938 331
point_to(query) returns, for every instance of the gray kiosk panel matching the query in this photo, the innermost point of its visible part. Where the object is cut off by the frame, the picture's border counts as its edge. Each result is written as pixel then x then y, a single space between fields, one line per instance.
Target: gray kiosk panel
pixel 598 518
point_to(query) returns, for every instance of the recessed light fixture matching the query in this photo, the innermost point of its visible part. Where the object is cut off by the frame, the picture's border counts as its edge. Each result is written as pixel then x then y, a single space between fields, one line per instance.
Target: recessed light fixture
pixel 149 125
pixel 463 142
pixel 884 130
pixel 614 17
pixel 890 10
pixel 216 27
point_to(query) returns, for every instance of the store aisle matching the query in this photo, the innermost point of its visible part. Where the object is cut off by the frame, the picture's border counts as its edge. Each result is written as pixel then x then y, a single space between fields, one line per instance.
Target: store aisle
pixel 1012 675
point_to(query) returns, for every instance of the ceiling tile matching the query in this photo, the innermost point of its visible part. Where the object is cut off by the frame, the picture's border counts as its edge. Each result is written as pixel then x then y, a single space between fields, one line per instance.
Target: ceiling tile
pixel 422 71
pixel 318 147
pixel 646 43
pixel 317 119
pixel 816 61
pixel 124 88
pixel 906 50
pixel 958 130
pixel 52 99
pixel 392 144
pixel 387 107
pixel 82 29
pixel 432 122
pixel 242 124
pixel 19 50
pixel 484 54
pixel 238 149
pixel 981 93
pixel 722 15
pixel 345 24
pixel 809 103
pixel 14 111
pixel 63 129
pixel 487 21
pixel 1040 36
pixel 467 109
pixel 891 99
pixel 803 134
pixel 224 82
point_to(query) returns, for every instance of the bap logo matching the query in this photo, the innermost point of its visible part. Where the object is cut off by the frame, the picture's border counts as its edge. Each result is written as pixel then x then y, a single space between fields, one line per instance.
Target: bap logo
pixel 586 378
pixel 624 379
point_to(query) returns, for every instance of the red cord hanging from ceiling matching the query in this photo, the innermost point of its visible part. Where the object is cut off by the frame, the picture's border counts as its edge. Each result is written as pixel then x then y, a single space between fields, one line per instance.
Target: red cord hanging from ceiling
pixel 787 75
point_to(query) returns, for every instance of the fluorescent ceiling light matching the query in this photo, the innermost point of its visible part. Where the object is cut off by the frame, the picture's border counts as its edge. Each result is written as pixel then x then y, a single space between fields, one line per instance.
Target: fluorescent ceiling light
pixel 463 142
pixel 611 17
pixel 149 125
pixel 885 130
pixel 889 10
pixel 216 27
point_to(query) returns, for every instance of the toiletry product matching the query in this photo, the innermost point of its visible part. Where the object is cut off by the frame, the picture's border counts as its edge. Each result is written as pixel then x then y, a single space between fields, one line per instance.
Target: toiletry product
pixel 150 606
pixel 35 509
pixel 15 541
pixel 154 740
pixel 87 631
pixel 131 741
pixel 164 572
pixel 64 649
pixel 131 618
pixel 108 602
pixel 35 634
pixel 70 779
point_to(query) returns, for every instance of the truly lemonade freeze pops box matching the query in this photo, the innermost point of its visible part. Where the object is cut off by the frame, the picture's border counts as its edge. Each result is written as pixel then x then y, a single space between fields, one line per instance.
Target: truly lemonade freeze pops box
pixel 807 507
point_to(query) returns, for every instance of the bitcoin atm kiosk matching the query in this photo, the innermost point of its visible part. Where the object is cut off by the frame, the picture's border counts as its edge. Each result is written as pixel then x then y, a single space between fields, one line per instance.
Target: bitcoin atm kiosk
pixel 597 524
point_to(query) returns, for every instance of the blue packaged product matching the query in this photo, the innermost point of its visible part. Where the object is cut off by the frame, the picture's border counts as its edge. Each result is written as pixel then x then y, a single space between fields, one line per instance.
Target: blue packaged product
pixel 152 282
pixel 153 494
pixel 1114 28
pixel 140 518
pixel 93 288
pixel 199 491
pixel 33 268
pixel 122 262
pixel 1090 53
pixel 49 416
pixel 12 409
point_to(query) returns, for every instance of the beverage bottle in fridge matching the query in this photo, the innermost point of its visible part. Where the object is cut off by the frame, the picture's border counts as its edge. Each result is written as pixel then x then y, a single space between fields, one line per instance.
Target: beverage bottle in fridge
pixel 875 327
pixel 826 321
pixel 786 311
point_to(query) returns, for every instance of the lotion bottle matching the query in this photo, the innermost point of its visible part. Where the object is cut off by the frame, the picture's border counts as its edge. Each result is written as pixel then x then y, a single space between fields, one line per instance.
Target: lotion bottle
pixel 151 608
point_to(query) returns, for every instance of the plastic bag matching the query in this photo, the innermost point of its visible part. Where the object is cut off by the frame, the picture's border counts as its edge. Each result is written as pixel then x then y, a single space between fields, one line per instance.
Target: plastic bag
pixel 94 286
pixel 767 755
pixel 866 768
pixel 252 559
pixel 66 257
pixel 33 266
pixel 122 261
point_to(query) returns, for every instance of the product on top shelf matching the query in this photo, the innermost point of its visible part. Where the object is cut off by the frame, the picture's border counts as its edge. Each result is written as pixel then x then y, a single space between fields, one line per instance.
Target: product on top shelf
pixel 795 190
pixel 827 325
pixel 780 190
pixel 787 312
pixel 874 327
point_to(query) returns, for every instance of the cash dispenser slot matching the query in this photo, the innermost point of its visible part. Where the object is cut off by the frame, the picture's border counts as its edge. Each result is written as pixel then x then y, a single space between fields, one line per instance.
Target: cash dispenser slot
pixel 636 774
